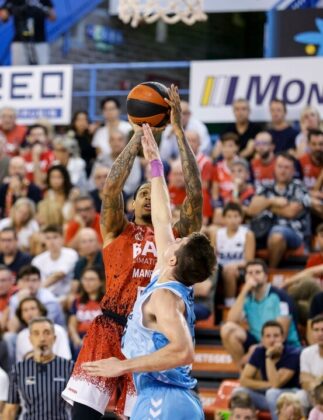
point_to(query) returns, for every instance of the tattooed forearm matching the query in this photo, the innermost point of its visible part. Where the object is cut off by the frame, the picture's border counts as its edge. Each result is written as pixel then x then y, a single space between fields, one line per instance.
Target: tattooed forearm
pixel 191 211
pixel 111 206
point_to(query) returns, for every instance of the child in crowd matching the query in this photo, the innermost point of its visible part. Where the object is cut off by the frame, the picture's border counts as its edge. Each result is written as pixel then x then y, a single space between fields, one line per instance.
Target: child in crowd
pixel 317 412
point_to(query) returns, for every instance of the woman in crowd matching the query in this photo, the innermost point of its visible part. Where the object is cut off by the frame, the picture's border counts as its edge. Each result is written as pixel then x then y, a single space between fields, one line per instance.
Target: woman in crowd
pixel 309 120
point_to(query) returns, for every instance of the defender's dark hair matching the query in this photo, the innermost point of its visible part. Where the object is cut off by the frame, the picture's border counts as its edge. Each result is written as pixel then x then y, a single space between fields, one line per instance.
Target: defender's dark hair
pixel 272 323
pixel 233 207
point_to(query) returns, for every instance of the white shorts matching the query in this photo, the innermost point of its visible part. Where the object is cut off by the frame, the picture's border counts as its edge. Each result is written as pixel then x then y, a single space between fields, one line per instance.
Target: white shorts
pixel 83 392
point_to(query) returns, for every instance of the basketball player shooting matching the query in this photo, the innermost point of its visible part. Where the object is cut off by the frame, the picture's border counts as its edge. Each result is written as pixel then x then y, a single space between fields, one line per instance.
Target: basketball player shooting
pixel 159 339
pixel 129 255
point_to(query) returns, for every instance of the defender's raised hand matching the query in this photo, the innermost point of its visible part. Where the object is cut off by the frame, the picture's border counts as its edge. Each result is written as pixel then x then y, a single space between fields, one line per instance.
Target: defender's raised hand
pixel 175 103
pixel 149 144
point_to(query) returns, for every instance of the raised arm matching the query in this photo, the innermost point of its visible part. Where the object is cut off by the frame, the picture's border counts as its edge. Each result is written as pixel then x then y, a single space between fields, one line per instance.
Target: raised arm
pixel 191 210
pixel 161 214
pixel 113 220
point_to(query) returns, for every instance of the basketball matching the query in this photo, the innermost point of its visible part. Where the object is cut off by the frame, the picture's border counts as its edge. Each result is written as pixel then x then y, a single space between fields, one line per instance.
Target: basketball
pixel 146 104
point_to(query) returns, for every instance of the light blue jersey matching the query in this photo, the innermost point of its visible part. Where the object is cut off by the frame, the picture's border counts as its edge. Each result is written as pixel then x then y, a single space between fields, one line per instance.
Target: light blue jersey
pixel 161 394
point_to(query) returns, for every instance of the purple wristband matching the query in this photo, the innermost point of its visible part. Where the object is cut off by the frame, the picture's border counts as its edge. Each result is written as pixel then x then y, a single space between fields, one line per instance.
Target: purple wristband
pixel 157 168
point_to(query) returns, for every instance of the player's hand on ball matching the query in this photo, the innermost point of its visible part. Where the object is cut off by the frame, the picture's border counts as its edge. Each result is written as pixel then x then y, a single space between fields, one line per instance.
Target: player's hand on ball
pixel 175 103
pixel 109 368
pixel 149 144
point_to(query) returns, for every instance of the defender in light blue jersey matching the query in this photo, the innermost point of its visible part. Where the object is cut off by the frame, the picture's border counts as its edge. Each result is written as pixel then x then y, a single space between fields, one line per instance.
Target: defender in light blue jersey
pixel 159 339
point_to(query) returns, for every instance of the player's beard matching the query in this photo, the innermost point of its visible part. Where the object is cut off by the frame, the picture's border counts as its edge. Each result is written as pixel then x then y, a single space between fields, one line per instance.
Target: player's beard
pixel 147 219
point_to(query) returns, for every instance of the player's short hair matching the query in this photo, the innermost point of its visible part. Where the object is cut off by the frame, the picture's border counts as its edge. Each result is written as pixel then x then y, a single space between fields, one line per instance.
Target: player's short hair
pixel 230 136
pixel 195 260
pixel 233 207
pixel 272 323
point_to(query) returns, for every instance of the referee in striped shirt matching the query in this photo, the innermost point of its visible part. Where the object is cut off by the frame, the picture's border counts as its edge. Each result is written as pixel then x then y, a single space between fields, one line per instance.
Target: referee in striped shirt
pixel 36 384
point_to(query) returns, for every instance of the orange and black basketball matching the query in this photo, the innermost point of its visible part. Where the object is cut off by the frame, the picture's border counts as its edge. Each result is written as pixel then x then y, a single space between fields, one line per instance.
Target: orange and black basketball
pixel 146 104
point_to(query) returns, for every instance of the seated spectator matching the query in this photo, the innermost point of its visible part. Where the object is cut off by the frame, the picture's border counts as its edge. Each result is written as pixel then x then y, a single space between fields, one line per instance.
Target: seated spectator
pixel 312 163
pixel 257 303
pixel 243 190
pixel 54 208
pixel 4 159
pixel 222 184
pixel 86 216
pixel 282 133
pixel 311 371
pixel 14 133
pixel 289 407
pixel 309 120
pixel 89 250
pixel 86 307
pixel 234 245
pixel 17 186
pixel 4 389
pixel 168 146
pixel 118 141
pixel 317 411
pixel 316 308
pixel 272 369
pixel 29 284
pixel 263 164
pixel 176 183
pixel 47 368
pixel 83 132
pixel 111 109
pixel 67 153
pixel 10 254
pixel 37 155
pixel 22 220
pixel 6 290
pixel 206 170
pixel 30 308
pixel 286 201
pixel 100 174
pixel 56 265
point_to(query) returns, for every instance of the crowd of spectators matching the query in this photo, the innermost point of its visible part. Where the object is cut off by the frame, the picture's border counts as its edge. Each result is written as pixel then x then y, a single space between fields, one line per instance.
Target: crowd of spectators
pixel 262 191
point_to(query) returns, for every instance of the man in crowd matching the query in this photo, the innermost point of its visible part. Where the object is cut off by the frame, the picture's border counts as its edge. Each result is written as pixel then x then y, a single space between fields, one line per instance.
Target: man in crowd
pixel 264 164
pixel 316 308
pixel 56 264
pixel 272 369
pixel 6 290
pixel 10 254
pixel 36 383
pixel 100 174
pixel 13 132
pixel 257 302
pixel 4 158
pixel 286 200
pixel 89 250
pixel 282 133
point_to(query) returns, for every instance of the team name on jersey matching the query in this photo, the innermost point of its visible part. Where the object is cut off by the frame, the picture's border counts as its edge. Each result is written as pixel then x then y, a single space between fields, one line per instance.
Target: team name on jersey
pixel 141 273
pixel 143 249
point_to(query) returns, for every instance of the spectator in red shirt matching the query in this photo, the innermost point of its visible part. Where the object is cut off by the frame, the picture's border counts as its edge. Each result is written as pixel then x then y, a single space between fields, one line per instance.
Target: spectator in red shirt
pixel 37 156
pixel 263 165
pixel 85 216
pixel 317 259
pixel 176 184
pixel 206 168
pixel 14 133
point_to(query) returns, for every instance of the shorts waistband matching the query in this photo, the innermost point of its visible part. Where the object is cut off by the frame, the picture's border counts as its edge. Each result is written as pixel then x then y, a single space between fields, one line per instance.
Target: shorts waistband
pixel 119 319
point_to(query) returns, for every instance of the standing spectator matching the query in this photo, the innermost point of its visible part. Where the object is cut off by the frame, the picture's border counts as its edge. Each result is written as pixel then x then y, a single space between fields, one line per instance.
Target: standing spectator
pixel 100 174
pixel 282 133
pixel 17 186
pixel 286 201
pixel 29 45
pixel 206 169
pixel 6 290
pixel 10 254
pixel 4 159
pixel 37 155
pixel 111 114
pixel 22 220
pixel 263 165
pixel 272 369
pixel 56 265
pixel 309 120
pixel 311 373
pixel 234 246
pixel 83 132
pixel 54 207
pixel 29 309
pixel 86 307
pixel 257 303
pixel 168 146
pixel 13 132
pixel 86 216
pixel 67 153
pixel 44 373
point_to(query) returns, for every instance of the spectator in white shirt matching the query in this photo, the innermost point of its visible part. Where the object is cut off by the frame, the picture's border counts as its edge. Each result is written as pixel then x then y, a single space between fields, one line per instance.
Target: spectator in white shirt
pixel 56 265
pixel 111 113
pixel 28 309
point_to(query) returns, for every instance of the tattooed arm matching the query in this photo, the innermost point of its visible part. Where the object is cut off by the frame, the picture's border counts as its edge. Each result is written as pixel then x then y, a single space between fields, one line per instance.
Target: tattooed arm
pixel 191 210
pixel 113 220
